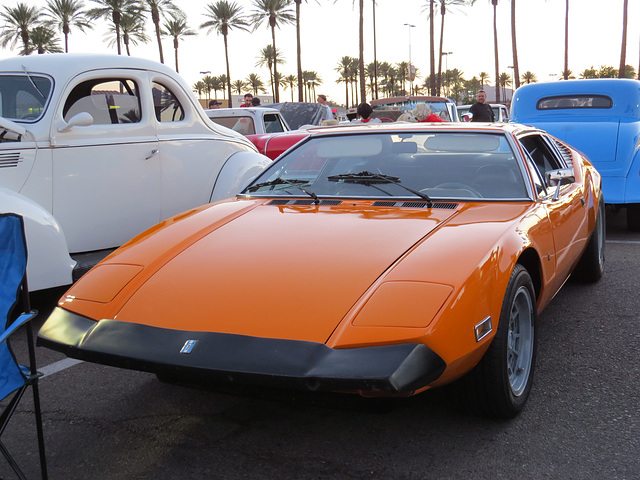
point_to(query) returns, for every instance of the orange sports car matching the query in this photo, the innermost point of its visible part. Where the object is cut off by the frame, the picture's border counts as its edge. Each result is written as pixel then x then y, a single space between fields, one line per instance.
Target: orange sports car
pixel 380 260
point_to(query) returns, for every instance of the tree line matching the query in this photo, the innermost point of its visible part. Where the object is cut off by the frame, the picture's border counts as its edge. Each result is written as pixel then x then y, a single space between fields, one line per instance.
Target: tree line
pixel 34 29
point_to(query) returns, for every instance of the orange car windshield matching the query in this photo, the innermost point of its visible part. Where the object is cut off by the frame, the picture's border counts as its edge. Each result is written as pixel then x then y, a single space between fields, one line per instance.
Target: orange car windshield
pixel 452 165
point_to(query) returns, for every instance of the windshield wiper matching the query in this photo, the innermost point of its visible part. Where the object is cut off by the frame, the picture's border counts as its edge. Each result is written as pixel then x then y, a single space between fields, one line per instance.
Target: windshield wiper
pixel 369 179
pixel 294 182
pixel 33 83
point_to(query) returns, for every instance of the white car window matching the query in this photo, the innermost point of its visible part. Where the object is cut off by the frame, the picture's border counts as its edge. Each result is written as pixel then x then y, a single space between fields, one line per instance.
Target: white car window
pixel 23 97
pixel 167 106
pixel 108 101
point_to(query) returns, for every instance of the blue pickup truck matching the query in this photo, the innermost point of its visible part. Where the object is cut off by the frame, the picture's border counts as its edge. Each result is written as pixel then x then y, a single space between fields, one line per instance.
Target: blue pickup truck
pixel 599 117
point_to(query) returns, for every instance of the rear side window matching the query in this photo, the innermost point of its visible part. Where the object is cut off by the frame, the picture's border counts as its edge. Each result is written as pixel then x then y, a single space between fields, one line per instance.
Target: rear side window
pixel 565 102
pixel 243 125
pixel 108 101
pixel 166 104
pixel 272 123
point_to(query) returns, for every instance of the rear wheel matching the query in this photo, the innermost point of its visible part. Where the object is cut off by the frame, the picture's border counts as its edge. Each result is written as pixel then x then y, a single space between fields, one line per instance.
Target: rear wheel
pixel 591 266
pixel 500 384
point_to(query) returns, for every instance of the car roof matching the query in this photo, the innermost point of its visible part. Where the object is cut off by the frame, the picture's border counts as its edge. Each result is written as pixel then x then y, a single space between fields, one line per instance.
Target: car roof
pixel 509 128
pixel 624 92
pixel 233 112
pixel 67 65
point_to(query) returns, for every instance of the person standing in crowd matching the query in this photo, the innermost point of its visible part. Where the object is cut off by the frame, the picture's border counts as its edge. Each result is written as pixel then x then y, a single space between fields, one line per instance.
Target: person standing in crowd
pixel 247 100
pixel 364 112
pixel 482 112
pixel 328 114
pixel 214 104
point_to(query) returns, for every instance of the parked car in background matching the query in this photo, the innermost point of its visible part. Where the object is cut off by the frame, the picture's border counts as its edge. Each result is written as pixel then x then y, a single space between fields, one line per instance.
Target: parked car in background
pixel 500 112
pixel 380 260
pixel 95 149
pixel 600 117
pixel 249 120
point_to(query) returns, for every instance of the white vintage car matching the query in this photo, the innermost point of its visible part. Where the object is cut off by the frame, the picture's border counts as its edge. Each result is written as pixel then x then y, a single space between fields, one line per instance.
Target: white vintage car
pixel 96 149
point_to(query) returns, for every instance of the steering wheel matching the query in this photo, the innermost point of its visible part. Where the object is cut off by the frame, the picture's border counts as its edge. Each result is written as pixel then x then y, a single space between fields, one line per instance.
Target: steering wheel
pixel 458 186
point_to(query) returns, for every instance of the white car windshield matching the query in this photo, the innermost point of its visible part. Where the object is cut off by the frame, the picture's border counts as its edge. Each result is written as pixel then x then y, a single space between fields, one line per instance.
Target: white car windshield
pixel 449 165
pixel 23 98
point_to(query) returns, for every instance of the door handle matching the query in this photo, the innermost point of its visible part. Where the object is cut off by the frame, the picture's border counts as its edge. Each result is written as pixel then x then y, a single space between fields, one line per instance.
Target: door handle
pixel 153 153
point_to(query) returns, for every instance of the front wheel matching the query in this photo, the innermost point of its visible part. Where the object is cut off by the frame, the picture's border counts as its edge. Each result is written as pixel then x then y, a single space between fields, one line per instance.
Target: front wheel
pixel 500 384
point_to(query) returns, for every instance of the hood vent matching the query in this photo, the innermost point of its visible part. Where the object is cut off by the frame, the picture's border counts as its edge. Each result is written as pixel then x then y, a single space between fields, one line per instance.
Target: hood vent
pixel 304 202
pixel 11 159
pixel 445 205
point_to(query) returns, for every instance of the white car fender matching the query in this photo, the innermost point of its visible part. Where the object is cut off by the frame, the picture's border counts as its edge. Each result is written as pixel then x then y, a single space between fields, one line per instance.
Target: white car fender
pixel 238 170
pixel 49 264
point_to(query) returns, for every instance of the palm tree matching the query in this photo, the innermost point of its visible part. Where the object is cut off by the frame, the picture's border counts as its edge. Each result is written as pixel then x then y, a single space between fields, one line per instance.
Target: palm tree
pixel 158 9
pixel 274 12
pixel 64 14
pixel 177 29
pixel 291 81
pixel 255 82
pixel 444 4
pixel 239 86
pixel 311 80
pixel 483 77
pixel 299 52
pixel 18 20
pixel 269 57
pixel 343 71
pixel 208 81
pixel 504 82
pixel 43 40
pixel 432 63
pixel 199 87
pixel 516 69
pixel 131 30
pixel 495 44
pixel 113 10
pixel 223 17
pixel 529 77
pixel 363 84
pixel 374 86
pixel 218 84
pixel 623 52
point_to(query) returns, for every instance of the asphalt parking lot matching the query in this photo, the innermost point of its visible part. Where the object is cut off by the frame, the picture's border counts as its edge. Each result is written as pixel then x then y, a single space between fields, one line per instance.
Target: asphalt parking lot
pixel 582 420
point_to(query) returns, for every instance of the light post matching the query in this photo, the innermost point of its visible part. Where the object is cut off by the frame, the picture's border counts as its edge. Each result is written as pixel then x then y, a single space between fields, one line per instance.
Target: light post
pixel 409 67
pixel 446 67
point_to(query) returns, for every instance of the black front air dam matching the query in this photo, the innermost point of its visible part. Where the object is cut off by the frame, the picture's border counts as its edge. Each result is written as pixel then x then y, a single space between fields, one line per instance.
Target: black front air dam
pixel 239 359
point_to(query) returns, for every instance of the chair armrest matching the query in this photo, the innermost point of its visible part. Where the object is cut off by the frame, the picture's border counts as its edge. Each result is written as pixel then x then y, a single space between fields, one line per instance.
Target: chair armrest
pixel 21 320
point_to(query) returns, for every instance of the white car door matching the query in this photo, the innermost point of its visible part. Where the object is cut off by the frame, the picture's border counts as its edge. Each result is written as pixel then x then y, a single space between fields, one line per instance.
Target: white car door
pixel 106 175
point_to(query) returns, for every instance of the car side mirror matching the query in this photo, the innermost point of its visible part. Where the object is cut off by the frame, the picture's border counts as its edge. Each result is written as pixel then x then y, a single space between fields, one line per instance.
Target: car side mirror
pixel 559 177
pixel 82 119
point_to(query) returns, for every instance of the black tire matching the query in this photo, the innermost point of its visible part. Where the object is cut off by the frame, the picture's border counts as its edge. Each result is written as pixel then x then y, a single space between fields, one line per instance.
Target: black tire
pixel 500 384
pixel 633 217
pixel 590 268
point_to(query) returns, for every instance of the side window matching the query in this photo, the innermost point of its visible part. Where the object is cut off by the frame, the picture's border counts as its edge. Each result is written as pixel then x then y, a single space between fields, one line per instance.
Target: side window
pixel 538 181
pixel 166 105
pixel 108 101
pixel 540 153
pixel 272 123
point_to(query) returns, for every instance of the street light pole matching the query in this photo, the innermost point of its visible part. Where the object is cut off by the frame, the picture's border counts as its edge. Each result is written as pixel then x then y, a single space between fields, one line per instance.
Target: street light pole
pixel 409 67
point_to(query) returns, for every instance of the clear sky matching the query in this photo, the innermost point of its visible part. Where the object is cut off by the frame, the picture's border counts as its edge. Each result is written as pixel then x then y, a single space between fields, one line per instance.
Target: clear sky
pixel 330 31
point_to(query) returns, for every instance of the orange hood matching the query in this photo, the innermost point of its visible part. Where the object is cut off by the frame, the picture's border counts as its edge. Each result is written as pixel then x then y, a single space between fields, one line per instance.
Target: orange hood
pixel 309 264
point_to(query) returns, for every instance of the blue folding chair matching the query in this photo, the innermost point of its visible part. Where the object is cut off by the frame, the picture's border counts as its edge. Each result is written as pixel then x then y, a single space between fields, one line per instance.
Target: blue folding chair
pixel 14 298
